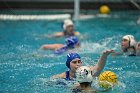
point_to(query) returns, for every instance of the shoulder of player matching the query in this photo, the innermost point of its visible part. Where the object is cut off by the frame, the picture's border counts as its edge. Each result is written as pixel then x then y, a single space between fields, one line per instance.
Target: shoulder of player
pixel 62 75
pixel 77 33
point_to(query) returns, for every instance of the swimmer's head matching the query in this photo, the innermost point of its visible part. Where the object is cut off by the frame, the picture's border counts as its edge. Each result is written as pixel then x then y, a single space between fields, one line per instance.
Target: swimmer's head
pixel 130 39
pixel 71 41
pixel 84 74
pixel 67 23
pixel 70 57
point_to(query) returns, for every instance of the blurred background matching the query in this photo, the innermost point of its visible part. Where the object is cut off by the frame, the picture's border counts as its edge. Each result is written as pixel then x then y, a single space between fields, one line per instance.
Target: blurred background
pixel 25 25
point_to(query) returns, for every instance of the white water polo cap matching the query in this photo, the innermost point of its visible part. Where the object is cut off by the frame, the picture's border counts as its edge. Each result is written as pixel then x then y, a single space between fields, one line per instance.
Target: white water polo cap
pixel 131 39
pixel 67 22
pixel 84 74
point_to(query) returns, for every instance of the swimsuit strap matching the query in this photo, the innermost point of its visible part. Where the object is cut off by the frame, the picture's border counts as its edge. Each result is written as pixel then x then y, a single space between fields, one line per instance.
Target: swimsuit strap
pixel 68 75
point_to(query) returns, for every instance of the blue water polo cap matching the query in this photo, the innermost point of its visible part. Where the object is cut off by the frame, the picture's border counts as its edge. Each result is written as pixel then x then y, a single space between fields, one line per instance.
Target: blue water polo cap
pixel 71 41
pixel 70 57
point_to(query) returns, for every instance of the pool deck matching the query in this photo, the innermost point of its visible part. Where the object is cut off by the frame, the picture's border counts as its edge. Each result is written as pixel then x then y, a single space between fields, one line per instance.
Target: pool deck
pixel 48 4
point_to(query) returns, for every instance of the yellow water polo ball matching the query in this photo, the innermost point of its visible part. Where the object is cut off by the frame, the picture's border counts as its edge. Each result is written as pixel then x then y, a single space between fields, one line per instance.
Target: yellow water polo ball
pixel 104 9
pixel 107 79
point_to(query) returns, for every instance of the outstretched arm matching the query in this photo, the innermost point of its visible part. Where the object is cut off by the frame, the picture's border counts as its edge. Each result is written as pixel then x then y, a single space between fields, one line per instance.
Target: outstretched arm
pixel 101 62
pixel 58 34
pixel 117 53
pixel 52 46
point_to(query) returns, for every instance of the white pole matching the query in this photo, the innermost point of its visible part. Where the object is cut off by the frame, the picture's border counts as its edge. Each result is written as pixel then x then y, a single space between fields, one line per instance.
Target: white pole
pixel 76 9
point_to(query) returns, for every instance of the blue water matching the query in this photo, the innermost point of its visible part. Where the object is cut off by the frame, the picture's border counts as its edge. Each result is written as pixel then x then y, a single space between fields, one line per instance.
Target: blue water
pixel 25 69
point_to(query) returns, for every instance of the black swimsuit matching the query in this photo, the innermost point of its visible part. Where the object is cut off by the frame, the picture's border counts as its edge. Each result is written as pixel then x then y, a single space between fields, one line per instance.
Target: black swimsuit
pixel 132 54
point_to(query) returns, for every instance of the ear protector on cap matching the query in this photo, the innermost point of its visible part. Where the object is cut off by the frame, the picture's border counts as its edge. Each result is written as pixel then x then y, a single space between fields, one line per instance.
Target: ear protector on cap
pixel 84 74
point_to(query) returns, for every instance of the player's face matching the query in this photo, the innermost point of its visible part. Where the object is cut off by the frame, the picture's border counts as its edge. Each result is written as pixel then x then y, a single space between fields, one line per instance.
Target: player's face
pixel 70 28
pixel 125 43
pixel 75 63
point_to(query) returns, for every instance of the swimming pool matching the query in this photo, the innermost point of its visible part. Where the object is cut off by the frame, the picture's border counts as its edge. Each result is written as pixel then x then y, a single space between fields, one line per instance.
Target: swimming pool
pixel 22 72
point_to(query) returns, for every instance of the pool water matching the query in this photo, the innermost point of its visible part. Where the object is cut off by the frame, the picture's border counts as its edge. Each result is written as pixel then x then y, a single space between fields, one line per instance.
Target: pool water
pixel 25 69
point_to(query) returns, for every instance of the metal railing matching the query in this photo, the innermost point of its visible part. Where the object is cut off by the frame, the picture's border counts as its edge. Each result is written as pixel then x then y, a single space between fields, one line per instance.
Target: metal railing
pixel 135 4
